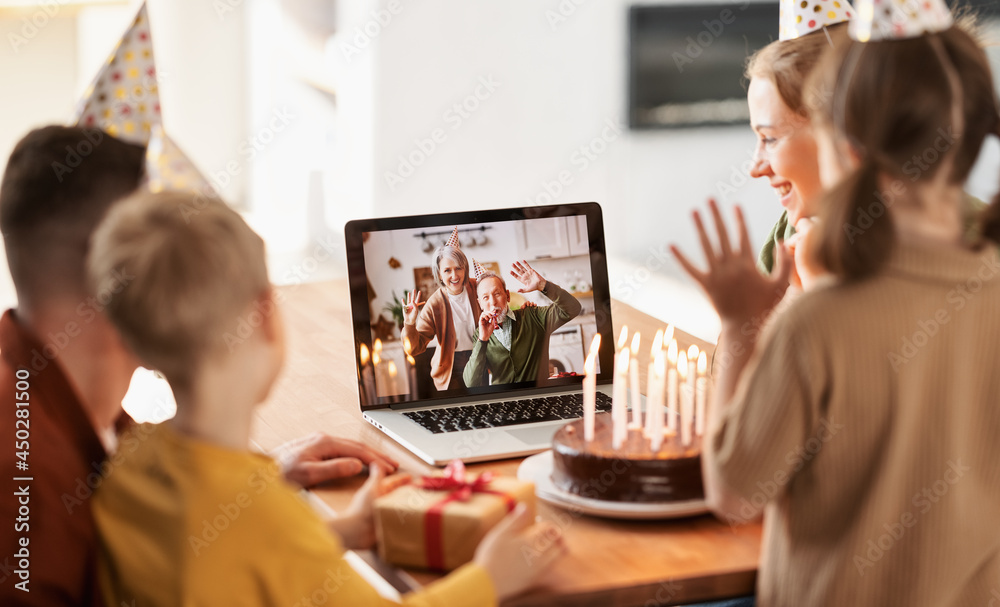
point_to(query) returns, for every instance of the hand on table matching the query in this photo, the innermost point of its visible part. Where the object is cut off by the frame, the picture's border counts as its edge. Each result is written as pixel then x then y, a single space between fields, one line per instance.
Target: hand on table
pixel 356 526
pixel 527 276
pixel 739 292
pixel 319 457
pixel 412 307
pixel 515 553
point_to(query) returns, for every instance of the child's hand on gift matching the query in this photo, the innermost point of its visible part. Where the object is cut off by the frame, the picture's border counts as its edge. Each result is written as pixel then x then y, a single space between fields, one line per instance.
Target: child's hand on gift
pixel 515 553
pixel 739 292
pixel 356 526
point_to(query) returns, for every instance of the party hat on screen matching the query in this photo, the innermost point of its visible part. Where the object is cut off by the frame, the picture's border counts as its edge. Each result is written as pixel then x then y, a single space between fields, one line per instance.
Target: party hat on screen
pixel 453 239
pixel 800 17
pixel 478 270
pixel 124 99
pixel 899 19
pixel 169 169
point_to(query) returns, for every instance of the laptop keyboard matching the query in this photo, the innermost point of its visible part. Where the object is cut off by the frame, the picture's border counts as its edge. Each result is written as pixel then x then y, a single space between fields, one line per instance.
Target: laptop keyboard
pixel 506 413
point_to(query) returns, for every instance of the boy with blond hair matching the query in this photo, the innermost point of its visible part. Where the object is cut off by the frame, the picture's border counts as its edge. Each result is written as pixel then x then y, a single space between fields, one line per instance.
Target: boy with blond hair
pixel 192 517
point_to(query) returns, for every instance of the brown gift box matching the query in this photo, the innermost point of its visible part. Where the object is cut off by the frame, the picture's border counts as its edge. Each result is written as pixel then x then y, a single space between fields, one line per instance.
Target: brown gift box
pixel 401 519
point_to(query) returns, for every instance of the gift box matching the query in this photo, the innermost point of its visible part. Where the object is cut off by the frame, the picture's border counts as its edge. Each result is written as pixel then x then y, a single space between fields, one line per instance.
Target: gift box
pixel 437 522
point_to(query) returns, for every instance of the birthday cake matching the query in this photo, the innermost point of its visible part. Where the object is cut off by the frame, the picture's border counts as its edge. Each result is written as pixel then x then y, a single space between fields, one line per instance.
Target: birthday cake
pixel 631 473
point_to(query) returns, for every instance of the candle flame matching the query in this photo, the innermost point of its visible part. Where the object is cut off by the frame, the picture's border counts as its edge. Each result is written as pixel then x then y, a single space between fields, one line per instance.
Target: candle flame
pixel 364 355
pixel 659 364
pixel 392 368
pixel 595 345
pixel 682 364
pixel 693 353
pixel 635 343
pixel 590 365
pixel 669 334
pixel 406 346
pixel 657 343
pixel 702 363
pixel 377 346
pixel 376 359
pixel 622 337
pixel 672 352
pixel 412 361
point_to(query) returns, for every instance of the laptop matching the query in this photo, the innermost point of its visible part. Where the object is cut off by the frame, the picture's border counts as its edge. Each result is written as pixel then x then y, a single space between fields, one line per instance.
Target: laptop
pixel 507 397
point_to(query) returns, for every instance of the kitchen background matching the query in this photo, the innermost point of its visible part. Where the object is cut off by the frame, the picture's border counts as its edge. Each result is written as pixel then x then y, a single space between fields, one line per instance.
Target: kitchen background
pixel 336 109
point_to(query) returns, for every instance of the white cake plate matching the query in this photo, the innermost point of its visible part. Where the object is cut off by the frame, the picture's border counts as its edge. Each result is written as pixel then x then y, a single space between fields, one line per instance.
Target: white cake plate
pixel 538 469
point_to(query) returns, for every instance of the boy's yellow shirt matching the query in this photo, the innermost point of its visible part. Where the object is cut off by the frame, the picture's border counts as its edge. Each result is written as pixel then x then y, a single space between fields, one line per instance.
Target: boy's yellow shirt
pixel 183 522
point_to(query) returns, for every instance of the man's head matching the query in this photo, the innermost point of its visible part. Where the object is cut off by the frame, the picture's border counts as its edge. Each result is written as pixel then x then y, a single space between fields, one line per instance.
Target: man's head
pixel 198 289
pixel 492 292
pixel 59 182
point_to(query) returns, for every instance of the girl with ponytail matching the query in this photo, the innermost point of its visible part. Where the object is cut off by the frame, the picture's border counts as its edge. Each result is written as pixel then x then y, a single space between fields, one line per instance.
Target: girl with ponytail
pixel 865 418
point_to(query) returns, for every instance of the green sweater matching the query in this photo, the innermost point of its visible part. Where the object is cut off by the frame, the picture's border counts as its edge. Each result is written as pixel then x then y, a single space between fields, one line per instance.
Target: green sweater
pixel 528 357
pixel 783 230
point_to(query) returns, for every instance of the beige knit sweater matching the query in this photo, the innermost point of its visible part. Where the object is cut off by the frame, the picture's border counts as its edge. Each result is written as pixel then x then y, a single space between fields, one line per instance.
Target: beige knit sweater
pixel 869 421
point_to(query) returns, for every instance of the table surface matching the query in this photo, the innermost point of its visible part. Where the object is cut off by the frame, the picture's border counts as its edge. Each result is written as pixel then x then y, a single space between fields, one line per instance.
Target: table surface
pixel 610 562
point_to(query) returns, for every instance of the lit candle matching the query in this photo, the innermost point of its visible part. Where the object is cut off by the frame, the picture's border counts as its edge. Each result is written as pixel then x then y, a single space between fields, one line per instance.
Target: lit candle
pixel 692 356
pixel 656 406
pixel 590 389
pixel 672 410
pixel 650 380
pixel 367 380
pixel 686 408
pixel 380 385
pixel 633 375
pixel 669 335
pixel 701 388
pixel 619 415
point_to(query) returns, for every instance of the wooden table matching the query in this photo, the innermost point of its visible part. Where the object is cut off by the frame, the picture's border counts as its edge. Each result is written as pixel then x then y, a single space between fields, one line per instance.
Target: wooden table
pixel 611 563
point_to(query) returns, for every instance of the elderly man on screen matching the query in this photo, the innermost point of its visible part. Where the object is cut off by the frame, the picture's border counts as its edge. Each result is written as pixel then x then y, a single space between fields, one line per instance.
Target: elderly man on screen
pixel 513 345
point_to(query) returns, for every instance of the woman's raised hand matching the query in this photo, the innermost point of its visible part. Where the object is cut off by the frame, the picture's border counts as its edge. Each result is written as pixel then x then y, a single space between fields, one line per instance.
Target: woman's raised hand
pixel 738 290
pixel 412 307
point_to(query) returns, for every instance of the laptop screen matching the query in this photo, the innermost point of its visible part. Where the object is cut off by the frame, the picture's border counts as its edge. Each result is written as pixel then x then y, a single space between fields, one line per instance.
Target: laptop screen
pixel 477 303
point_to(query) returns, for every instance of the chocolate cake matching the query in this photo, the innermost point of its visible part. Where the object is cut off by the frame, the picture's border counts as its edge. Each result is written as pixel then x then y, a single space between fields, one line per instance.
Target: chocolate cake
pixel 632 473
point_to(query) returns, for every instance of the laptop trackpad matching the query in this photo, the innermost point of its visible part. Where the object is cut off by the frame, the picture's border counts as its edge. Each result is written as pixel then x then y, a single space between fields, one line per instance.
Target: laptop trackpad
pixel 537 435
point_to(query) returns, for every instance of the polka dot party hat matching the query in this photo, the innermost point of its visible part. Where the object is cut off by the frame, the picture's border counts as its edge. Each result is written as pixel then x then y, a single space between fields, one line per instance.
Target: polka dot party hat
pixel 453 239
pixel 169 169
pixel 899 19
pixel 123 99
pixel 478 270
pixel 800 17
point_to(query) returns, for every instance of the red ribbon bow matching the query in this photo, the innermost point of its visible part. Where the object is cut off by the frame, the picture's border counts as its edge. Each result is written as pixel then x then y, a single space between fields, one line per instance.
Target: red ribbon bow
pixel 460 490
